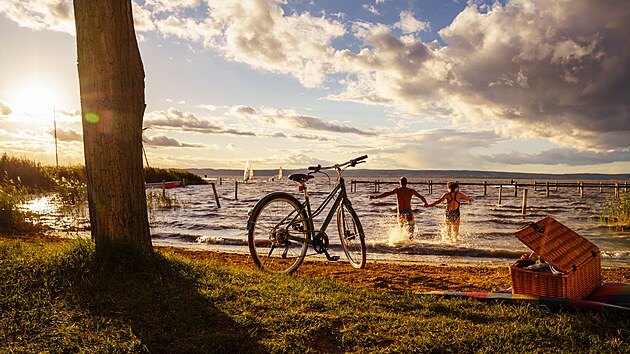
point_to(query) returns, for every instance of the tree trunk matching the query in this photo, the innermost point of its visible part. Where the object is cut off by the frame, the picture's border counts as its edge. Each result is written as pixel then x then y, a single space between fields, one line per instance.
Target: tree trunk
pixel 111 78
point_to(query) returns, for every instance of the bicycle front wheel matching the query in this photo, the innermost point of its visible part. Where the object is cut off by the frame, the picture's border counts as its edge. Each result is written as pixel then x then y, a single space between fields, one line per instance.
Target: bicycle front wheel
pixel 351 234
pixel 277 234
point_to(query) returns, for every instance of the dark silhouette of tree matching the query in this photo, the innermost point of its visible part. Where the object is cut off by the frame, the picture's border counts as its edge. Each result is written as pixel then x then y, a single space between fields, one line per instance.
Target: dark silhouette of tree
pixel 111 77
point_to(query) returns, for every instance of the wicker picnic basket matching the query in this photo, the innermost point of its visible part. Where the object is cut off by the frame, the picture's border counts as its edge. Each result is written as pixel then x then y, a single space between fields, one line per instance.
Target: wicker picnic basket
pixel 573 255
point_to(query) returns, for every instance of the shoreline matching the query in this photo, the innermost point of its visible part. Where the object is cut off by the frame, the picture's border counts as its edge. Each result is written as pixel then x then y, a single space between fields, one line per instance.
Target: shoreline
pixel 406 275
pixel 397 276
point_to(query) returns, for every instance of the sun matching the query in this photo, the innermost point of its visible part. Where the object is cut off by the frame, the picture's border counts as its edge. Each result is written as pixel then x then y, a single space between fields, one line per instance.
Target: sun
pixel 34 99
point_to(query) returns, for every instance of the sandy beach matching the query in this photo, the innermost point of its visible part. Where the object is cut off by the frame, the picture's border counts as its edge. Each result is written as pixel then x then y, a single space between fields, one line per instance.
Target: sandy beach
pixel 407 276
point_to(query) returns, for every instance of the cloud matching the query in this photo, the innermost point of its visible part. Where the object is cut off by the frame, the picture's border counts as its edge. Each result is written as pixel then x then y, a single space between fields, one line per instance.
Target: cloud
pixel 409 24
pixel 172 119
pixel 164 141
pixel 560 156
pixel 293 119
pixel 260 34
pixel 68 135
pixel 530 68
pixel 5 110
pixel 54 15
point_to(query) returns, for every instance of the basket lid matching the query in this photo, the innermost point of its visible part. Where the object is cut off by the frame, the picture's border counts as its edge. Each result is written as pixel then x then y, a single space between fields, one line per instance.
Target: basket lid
pixel 557 244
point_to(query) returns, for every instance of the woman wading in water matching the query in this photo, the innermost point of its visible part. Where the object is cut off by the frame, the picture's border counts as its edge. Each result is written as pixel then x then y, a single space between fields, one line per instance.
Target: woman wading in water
pixel 453 200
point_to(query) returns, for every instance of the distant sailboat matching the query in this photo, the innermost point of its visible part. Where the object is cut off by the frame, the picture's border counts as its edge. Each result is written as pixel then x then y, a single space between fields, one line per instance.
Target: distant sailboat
pixel 277 177
pixel 248 174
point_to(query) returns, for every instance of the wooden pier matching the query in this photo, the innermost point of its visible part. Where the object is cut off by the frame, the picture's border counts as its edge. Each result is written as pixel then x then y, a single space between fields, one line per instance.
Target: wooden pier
pixel 617 187
pixel 599 186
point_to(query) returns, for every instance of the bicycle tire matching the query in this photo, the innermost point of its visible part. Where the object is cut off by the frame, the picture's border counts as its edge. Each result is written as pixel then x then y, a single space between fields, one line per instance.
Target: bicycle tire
pixel 275 217
pixel 351 235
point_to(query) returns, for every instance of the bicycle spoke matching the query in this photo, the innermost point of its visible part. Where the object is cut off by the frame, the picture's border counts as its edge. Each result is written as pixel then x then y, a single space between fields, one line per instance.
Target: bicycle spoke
pixel 272 239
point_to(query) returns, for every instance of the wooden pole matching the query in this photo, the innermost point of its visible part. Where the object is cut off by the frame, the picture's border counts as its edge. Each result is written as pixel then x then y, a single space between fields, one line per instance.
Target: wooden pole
pixel 601 186
pixel 581 190
pixel 547 189
pixel 515 189
pixel 556 186
pixel 216 196
pixel 163 189
pixel 235 190
pixel 500 193
pixel 485 188
pixel 220 181
pixel 535 186
pixel 525 201
pixel 617 190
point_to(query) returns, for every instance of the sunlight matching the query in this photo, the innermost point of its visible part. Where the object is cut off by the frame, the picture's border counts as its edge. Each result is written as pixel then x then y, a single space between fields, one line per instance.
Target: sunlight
pixel 35 99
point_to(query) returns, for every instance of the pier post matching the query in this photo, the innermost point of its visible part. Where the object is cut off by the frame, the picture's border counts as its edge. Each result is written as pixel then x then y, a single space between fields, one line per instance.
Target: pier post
pixel 235 190
pixel 617 190
pixel 216 196
pixel 163 188
pixel 625 187
pixel 430 186
pixel 547 189
pixel 535 186
pixel 500 193
pixel 581 190
pixel 485 188
pixel 601 186
pixel 556 186
pixel 220 181
pixel 524 201
pixel 515 189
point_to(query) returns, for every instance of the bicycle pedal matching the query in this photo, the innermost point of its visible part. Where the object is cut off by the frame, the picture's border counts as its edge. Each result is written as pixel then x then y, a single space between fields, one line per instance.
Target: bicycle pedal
pixel 333 258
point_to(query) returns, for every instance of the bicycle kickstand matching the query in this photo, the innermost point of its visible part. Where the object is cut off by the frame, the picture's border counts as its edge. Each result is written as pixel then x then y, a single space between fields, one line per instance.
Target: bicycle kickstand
pixel 331 258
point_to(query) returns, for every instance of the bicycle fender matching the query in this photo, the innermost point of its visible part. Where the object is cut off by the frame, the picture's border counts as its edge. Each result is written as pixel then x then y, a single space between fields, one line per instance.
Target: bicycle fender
pixel 263 201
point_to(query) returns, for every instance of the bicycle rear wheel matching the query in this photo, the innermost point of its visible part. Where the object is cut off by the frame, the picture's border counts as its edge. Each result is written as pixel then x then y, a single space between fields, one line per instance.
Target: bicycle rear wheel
pixel 276 222
pixel 351 235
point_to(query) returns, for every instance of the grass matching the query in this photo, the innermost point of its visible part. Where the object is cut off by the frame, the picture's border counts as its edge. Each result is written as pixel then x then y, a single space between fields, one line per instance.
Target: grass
pixel 59 297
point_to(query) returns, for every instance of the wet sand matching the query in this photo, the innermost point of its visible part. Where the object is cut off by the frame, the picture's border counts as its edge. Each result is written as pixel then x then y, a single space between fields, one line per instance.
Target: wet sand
pixel 407 276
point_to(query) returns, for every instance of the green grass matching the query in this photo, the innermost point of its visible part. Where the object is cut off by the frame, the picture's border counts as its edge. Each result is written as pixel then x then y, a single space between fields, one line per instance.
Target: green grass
pixel 59 297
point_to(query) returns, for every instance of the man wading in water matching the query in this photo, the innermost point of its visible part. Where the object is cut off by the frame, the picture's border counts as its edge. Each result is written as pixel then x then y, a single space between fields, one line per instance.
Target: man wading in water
pixel 403 200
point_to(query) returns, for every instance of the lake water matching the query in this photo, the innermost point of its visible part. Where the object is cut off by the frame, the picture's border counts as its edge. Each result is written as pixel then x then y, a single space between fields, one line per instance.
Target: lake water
pixel 486 233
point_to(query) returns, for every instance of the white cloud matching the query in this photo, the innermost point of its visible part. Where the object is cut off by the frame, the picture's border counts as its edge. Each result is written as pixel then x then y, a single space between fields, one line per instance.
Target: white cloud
pixel 54 15
pixel 5 110
pixel 164 141
pixel 409 24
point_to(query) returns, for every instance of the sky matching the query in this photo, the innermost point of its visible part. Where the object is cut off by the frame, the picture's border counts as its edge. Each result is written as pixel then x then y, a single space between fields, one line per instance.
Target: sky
pixel 516 86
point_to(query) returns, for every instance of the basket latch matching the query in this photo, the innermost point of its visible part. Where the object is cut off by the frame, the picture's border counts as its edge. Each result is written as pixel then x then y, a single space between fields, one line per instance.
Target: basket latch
pixel 537 228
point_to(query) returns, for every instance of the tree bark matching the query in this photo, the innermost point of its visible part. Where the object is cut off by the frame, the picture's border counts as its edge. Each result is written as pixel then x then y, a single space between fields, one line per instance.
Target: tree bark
pixel 111 78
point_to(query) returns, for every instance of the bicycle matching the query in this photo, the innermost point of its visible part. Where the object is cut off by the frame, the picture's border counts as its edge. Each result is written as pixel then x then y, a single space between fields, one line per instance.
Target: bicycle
pixel 281 228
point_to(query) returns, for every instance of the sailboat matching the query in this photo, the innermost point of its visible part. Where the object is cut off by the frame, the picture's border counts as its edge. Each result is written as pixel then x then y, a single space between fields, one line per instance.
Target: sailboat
pixel 277 177
pixel 248 174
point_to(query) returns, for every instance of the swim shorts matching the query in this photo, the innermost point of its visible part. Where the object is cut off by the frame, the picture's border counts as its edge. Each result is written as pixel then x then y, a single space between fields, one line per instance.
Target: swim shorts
pixel 406 220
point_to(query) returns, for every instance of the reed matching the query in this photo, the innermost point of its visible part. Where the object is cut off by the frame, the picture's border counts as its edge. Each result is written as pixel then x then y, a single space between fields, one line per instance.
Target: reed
pixel 13 220
pixel 616 213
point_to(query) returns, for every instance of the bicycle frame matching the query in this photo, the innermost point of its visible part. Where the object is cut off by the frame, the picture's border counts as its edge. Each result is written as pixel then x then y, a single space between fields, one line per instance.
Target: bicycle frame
pixel 340 192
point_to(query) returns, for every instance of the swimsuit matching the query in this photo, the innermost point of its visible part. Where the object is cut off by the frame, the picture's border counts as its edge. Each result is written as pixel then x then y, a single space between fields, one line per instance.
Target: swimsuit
pixel 452 215
pixel 405 218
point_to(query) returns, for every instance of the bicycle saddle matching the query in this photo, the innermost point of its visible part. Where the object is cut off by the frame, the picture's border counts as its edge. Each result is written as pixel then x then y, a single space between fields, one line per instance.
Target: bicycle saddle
pixel 300 177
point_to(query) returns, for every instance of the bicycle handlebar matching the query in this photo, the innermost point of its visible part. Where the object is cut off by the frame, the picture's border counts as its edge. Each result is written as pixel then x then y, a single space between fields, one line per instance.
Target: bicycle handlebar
pixel 352 163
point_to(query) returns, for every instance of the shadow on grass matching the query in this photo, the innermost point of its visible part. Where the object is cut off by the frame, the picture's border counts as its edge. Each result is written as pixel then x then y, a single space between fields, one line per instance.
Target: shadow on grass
pixel 158 298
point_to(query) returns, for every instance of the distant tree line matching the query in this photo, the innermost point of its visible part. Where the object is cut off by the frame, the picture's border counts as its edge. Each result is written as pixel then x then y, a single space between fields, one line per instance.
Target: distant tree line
pixel 40 178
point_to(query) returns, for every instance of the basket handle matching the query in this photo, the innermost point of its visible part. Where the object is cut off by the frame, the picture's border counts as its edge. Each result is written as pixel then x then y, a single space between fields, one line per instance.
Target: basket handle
pixel 537 228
